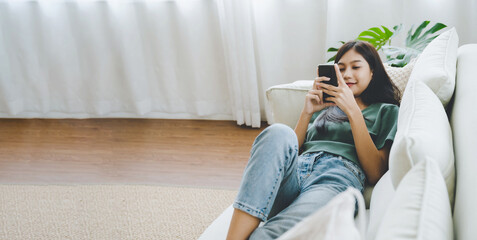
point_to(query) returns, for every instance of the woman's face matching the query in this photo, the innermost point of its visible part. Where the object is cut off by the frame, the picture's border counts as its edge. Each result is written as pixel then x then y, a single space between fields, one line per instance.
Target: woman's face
pixel 355 71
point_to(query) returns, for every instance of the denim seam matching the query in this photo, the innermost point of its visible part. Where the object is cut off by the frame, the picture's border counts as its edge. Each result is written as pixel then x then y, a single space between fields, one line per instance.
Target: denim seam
pixel 309 167
pixel 280 172
pixel 291 152
pixel 250 210
pixel 299 175
pixel 352 167
pixel 267 206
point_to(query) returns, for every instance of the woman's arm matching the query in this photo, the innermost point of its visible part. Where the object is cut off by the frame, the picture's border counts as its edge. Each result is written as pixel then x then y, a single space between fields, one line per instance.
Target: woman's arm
pixel 313 104
pixel 301 127
pixel 373 161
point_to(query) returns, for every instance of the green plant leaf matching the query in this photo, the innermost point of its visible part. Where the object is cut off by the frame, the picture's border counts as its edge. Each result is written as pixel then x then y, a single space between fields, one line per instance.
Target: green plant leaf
pixel 387 31
pixel 369 33
pixel 419 30
pixel 397 30
pixel 435 28
pixel 409 35
pixel 415 43
pixel 333 49
pixel 376 36
pixel 378 31
pixel 397 57
pixel 373 41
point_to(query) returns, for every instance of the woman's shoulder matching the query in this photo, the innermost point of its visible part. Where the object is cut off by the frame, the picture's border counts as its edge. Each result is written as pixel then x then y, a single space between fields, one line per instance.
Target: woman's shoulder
pixel 382 111
pixel 388 111
pixel 389 107
pixel 383 107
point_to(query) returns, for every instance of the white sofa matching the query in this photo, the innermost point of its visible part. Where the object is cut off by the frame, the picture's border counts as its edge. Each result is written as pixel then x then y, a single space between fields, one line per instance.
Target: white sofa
pixel 463 117
pixel 415 198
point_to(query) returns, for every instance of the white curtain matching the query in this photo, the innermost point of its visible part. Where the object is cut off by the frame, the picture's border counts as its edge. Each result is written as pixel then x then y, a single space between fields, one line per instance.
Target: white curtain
pixel 236 25
pixel 192 59
pixel 159 59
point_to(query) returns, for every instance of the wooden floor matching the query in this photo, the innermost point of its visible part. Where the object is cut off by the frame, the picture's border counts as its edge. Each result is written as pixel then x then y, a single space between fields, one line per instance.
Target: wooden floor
pixel 126 151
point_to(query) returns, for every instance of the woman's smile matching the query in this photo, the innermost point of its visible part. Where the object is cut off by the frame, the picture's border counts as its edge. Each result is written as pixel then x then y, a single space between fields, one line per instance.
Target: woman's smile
pixel 356 71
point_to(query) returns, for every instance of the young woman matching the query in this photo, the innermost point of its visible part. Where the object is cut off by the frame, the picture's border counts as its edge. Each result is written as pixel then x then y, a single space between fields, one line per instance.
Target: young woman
pixel 335 145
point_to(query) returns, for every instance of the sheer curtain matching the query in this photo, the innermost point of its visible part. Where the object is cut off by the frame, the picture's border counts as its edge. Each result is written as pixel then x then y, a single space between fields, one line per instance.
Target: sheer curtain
pixel 158 59
pixel 182 59
pixel 236 22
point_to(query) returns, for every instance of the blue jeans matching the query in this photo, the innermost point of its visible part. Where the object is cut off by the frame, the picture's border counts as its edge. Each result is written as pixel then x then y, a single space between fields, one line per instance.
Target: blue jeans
pixel 281 187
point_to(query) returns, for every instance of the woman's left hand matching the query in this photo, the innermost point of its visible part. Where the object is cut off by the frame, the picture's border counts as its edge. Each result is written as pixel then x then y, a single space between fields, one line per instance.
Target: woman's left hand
pixel 341 95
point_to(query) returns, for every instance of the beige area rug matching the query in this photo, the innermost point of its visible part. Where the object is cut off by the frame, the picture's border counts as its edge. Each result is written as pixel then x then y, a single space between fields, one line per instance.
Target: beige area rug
pixel 108 211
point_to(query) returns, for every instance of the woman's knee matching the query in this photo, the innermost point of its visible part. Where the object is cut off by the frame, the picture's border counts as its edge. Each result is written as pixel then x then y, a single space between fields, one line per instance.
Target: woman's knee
pixel 279 132
pixel 277 142
pixel 275 137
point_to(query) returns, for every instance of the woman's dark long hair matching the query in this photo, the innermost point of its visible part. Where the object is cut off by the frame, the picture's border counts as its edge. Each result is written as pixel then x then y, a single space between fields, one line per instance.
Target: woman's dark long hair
pixel 379 90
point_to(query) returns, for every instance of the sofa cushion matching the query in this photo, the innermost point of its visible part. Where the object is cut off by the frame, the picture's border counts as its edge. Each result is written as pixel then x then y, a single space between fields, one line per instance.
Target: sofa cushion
pixel 436 66
pixel 400 75
pixel 335 220
pixel 287 100
pixel 382 195
pixel 420 208
pixel 423 131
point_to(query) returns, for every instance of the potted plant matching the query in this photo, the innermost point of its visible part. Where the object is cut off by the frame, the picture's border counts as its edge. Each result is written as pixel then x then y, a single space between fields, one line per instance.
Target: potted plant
pixel 415 42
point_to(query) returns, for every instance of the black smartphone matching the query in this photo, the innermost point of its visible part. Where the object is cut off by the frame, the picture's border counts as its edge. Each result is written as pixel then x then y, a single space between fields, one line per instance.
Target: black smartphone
pixel 328 70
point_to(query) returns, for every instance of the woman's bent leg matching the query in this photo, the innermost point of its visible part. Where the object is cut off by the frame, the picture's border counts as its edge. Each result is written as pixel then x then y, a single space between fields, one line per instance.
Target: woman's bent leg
pixel 269 180
pixel 329 177
pixel 308 202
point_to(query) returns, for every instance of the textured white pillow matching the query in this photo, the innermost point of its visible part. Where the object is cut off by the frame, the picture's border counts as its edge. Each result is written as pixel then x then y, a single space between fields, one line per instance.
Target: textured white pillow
pixel 420 208
pixel 400 75
pixel 436 66
pixel 423 131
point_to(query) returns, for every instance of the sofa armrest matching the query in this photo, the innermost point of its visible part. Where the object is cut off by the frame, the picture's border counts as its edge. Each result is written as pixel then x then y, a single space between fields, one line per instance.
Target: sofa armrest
pixel 463 119
pixel 287 100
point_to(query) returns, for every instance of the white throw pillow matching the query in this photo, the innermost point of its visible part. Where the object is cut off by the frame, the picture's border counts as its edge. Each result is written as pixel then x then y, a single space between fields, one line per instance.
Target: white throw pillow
pixel 383 194
pixel 333 221
pixel 436 66
pixel 420 208
pixel 423 131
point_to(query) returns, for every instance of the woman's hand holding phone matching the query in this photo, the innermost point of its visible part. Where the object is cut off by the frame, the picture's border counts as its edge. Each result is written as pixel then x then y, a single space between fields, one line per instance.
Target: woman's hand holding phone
pixel 340 95
pixel 314 98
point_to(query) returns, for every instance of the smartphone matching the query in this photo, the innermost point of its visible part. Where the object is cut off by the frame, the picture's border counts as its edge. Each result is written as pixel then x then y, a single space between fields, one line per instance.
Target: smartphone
pixel 328 70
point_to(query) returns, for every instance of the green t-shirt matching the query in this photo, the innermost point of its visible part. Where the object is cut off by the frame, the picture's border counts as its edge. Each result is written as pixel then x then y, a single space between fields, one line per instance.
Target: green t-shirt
pixel 381 121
